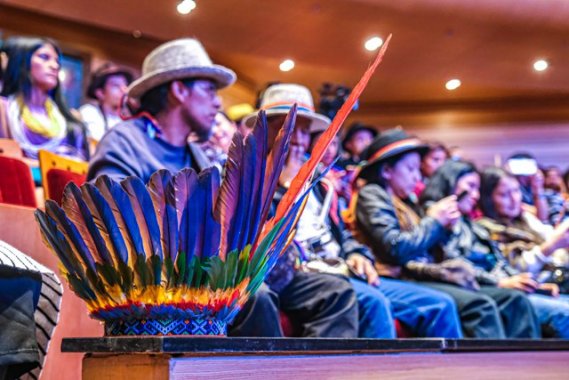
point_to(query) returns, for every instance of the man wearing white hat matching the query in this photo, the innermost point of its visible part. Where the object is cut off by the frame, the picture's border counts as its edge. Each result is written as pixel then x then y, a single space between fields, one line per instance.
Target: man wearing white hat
pixel 178 97
pixel 321 305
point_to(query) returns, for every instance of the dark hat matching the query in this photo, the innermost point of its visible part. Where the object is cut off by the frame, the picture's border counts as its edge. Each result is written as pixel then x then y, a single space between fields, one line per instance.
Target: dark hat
pixel 355 128
pixel 388 144
pixel 100 76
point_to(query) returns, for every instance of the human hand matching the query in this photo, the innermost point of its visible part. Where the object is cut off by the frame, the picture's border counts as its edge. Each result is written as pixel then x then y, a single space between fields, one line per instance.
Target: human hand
pixel 522 281
pixel 552 289
pixel 558 239
pixel 363 267
pixel 445 211
pixel 461 273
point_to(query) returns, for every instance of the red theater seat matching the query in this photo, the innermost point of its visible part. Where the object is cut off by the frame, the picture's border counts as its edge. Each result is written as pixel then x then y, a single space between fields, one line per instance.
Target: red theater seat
pixel 58 171
pixel 16 183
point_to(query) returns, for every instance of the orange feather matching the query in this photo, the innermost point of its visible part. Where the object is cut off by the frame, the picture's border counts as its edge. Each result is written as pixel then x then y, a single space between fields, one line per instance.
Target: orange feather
pixel 307 170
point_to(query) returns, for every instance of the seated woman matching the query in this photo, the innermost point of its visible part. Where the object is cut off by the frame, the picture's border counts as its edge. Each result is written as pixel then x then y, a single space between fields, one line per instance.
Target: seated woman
pixel 36 114
pixel 388 219
pixel 526 245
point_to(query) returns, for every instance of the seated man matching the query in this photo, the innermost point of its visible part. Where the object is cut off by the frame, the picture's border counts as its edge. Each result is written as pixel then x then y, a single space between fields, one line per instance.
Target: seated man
pixel 179 101
pixel 107 87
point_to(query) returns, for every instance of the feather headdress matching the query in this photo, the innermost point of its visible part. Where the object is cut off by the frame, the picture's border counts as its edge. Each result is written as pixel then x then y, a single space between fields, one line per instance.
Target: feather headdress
pixel 185 246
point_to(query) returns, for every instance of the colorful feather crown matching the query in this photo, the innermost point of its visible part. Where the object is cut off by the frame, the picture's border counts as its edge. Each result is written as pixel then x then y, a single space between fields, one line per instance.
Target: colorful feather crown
pixel 184 246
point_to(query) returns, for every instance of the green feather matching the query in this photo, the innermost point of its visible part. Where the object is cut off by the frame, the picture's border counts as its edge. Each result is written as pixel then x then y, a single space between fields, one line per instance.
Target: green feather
pixel 181 268
pixel 170 274
pixel 155 263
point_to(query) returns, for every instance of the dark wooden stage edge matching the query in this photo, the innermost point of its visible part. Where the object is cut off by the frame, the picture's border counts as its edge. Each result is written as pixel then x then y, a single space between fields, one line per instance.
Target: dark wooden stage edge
pixel 181 358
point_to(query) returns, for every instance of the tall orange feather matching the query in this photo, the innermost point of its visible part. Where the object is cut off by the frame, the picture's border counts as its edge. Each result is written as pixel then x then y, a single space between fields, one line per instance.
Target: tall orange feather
pixel 307 170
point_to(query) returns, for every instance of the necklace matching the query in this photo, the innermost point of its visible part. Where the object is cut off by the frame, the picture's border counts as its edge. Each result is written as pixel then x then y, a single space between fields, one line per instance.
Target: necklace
pixel 35 125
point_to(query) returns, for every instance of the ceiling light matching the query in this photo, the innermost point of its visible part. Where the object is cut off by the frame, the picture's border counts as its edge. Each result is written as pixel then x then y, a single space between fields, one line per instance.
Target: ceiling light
pixel 186 6
pixel 453 84
pixel 540 65
pixel 373 43
pixel 286 65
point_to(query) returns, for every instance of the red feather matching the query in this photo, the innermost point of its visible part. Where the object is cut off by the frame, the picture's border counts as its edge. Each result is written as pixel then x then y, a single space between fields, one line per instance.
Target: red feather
pixel 307 170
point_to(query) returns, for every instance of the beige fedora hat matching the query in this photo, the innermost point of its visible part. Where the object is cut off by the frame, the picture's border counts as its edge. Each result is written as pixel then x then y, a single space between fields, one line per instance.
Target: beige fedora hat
pixel 178 59
pixel 278 100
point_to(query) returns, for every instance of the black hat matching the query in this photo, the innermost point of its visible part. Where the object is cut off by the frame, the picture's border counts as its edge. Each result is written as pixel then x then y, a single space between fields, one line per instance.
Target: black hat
pixel 100 76
pixel 355 128
pixel 388 144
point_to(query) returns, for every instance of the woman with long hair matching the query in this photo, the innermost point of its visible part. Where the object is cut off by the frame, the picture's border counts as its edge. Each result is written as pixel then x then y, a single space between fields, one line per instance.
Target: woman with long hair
pixel 36 115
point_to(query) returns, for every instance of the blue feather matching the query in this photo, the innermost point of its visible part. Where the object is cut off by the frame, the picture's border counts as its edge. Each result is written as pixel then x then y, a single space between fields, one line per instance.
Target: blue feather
pixel 276 161
pixel 72 233
pixel 260 135
pixel 227 201
pixel 158 188
pixel 209 182
pixel 76 209
pixel 105 220
pixel 145 215
pixel 124 215
pixel 178 195
pixel 57 241
pixel 241 228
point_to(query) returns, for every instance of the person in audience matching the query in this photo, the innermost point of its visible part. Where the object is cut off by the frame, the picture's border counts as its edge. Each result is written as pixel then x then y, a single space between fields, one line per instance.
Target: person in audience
pixel 319 304
pixel 387 219
pixel 470 245
pixel 528 244
pixel 107 86
pixel 523 250
pixel 524 167
pixel 217 147
pixel 556 194
pixel 337 176
pixel 178 97
pixel 357 139
pixel 431 160
pixel 36 114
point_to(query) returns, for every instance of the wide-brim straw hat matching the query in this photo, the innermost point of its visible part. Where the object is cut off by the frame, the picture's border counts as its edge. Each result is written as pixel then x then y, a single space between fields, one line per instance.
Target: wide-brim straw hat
pixel 388 144
pixel 279 99
pixel 179 59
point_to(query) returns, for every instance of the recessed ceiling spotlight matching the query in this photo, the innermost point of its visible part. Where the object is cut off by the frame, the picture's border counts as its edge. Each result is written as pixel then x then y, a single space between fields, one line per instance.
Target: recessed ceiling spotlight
pixel 136 33
pixel 186 6
pixel 453 84
pixel 540 65
pixel 286 65
pixel 373 43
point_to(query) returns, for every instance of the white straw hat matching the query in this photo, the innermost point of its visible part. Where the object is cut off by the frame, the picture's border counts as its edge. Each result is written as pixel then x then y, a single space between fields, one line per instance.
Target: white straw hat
pixel 178 59
pixel 278 100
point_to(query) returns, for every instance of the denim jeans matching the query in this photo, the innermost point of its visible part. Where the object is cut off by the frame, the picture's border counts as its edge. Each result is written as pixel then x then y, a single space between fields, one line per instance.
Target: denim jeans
pixel 374 312
pixel 426 312
pixel 552 313
pixel 492 312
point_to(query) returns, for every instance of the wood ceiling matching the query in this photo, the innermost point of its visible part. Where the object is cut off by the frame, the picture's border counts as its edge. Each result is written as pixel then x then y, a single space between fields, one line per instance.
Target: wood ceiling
pixel 490 45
